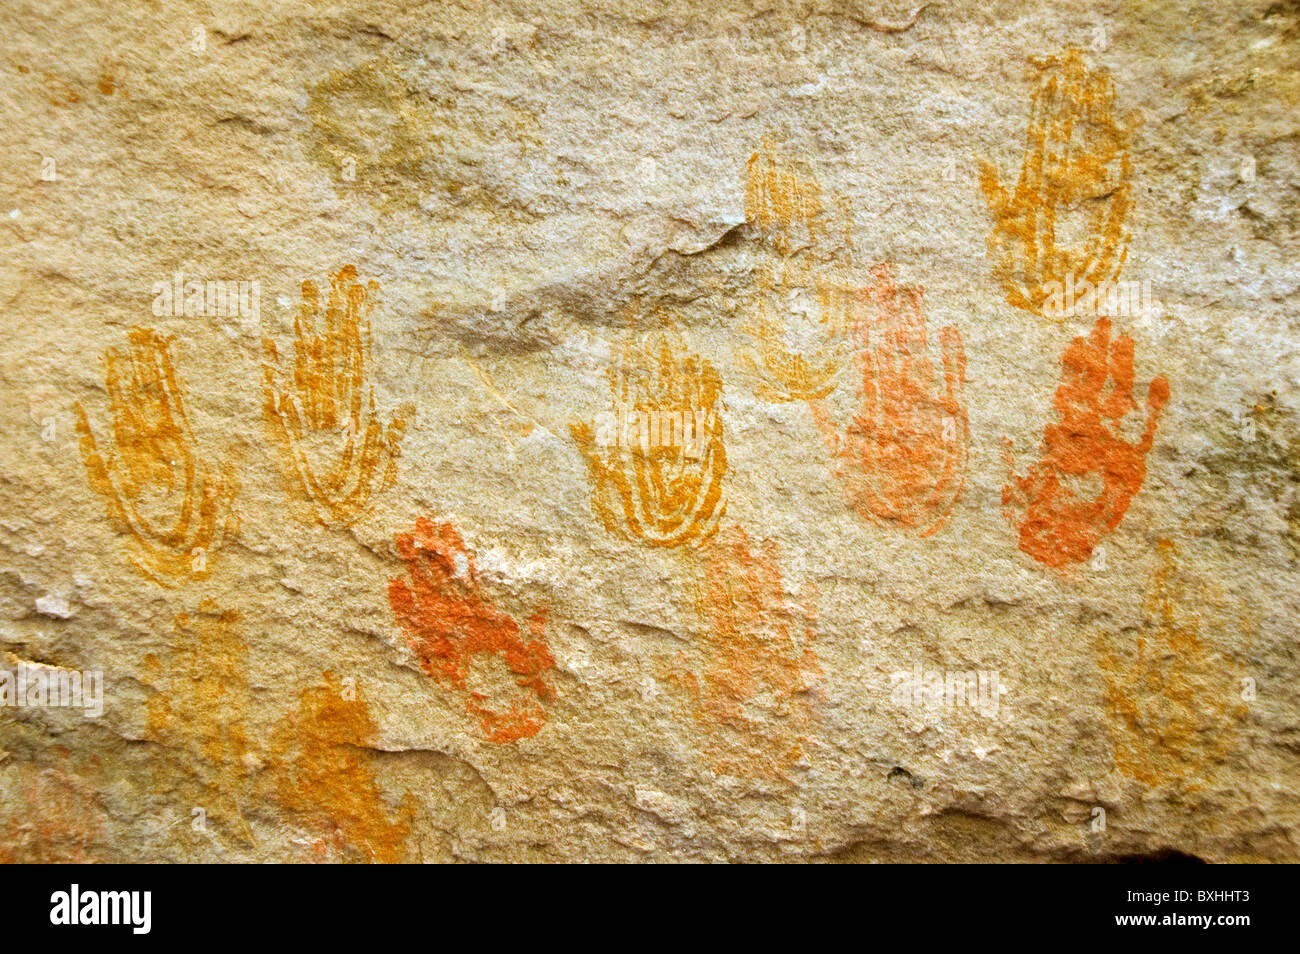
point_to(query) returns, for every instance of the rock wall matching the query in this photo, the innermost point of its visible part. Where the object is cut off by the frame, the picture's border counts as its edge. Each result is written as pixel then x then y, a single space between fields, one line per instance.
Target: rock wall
pixel 560 431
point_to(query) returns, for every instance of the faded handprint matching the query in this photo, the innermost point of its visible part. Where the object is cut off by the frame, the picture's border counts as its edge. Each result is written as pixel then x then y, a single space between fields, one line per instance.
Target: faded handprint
pixel 57 816
pixel 658 469
pixel 1082 487
pixel 782 201
pixel 157 488
pixel 750 675
pixel 200 709
pixel 448 624
pixel 903 457
pixel 333 449
pixel 797 332
pixel 321 763
pixel 1073 188
pixel 802 298
pixel 1174 708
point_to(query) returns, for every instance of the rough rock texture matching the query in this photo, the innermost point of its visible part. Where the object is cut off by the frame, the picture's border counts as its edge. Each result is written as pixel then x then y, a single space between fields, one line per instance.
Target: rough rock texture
pixel 649 432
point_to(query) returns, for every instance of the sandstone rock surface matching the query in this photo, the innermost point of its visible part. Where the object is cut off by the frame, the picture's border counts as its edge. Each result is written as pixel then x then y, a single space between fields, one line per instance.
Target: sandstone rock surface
pixel 819 431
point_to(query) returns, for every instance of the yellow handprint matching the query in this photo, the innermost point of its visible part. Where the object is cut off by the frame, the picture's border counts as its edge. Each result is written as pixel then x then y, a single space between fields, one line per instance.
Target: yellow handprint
pixel 327 411
pixel 803 296
pixel 175 510
pixel 659 460
pixel 1076 165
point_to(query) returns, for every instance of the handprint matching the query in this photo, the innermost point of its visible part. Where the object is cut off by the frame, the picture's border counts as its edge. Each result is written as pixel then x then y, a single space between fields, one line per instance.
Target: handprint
pixel 333 449
pixel 1063 515
pixel 157 489
pixel 448 624
pixel 801 299
pixel 322 774
pixel 200 707
pixel 797 334
pixel 1073 185
pixel 1174 707
pixel 54 814
pixel 782 201
pixel 750 678
pixel 658 471
pixel 903 457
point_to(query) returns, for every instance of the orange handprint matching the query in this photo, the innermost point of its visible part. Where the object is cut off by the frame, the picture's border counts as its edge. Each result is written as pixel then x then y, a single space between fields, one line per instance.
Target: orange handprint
pixel 903 457
pixel 330 402
pixel 322 767
pixel 750 683
pixel 157 489
pixel 448 622
pixel 1076 166
pixel 1062 517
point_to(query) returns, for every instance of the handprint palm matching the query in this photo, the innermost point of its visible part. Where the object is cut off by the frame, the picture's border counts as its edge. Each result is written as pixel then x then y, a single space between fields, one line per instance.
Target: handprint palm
pixel 449 623
pixel 1076 163
pixel 664 493
pixel 750 686
pixel 156 487
pixel 903 457
pixel 330 402
pixel 1062 517
pixel 1174 705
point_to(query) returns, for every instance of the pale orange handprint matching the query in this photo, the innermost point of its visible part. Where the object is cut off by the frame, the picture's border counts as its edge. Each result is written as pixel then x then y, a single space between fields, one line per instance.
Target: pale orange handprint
pixel 333 448
pixel 1060 513
pixel 903 457
pixel 54 813
pixel 749 677
pixel 158 490
pixel 1065 218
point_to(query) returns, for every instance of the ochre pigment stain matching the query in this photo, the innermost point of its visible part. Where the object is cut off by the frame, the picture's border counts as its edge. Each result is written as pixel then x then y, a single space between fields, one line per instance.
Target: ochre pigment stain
pixel 200 706
pixel 321 763
pixel 333 449
pixel 58 819
pixel 1066 214
pixel 379 129
pixel 175 509
pixel 658 470
pixel 371 131
pixel 1174 707
pixel 902 459
pixel 801 295
pixel 750 675
pixel 1082 487
pixel 783 201
pixel 454 630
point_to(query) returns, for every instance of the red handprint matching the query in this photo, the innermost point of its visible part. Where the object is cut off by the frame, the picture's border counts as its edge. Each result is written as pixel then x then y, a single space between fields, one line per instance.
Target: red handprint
pixel 1061 522
pixel 448 622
